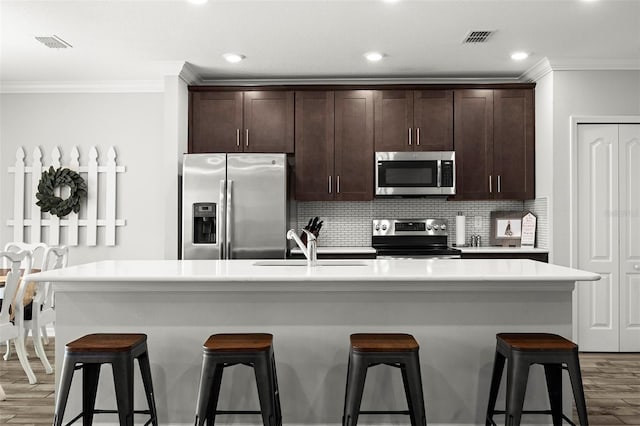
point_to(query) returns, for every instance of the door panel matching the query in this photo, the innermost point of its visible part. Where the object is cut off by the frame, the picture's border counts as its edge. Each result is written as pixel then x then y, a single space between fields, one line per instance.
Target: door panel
pixel 433 120
pixel 393 120
pixel 314 146
pixel 268 121
pixel 629 208
pixel 598 302
pixel 216 122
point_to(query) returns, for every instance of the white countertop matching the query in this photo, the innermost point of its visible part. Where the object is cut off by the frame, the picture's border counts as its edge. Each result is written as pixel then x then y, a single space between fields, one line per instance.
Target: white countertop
pixel 498 250
pixel 379 270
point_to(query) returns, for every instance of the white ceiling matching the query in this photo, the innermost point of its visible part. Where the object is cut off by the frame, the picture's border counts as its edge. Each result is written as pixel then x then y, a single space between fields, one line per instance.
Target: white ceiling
pixel 143 40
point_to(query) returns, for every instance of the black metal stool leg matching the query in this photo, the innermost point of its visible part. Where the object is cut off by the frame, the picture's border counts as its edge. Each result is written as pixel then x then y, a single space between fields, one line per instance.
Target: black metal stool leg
pixel 414 383
pixel 553 375
pixel 277 390
pixel 90 377
pixel 206 384
pixel 496 377
pixel 517 376
pixel 214 394
pixel 355 386
pixel 573 366
pixel 266 388
pixel 145 372
pixel 68 368
pixel 123 380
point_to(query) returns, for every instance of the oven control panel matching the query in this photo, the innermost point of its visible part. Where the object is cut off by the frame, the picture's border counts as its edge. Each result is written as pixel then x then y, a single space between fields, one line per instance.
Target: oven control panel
pixel 399 227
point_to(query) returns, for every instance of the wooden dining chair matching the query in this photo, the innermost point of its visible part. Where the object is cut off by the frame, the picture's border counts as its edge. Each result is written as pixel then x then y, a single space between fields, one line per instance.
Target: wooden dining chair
pixel 13 330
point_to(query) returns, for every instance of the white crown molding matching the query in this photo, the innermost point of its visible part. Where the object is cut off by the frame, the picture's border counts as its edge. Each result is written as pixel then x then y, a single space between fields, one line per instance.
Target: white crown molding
pixel 537 71
pixel 356 81
pixel 562 64
pixel 116 86
pixel 188 74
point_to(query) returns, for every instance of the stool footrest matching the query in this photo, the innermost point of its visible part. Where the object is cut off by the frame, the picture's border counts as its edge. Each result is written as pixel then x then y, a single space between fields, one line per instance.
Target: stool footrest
pixel 238 412
pixel 405 412
pixel 79 416
pixel 547 412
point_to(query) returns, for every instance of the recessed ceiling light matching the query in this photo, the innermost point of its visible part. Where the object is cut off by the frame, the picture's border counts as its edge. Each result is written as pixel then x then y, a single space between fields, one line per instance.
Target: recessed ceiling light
pixel 374 56
pixel 518 56
pixel 233 57
pixel 197 1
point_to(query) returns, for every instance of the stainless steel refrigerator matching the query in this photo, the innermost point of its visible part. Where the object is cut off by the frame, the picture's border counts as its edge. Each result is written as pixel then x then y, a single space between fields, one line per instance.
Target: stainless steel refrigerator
pixel 234 206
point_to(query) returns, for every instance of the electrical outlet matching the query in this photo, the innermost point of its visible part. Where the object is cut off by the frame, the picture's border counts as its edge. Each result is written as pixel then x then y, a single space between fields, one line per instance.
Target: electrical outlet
pixel 477 222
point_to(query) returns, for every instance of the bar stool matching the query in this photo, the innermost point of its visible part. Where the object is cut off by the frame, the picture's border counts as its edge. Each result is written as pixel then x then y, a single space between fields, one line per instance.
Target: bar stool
pixel 522 350
pixel 396 350
pixel 88 353
pixel 225 350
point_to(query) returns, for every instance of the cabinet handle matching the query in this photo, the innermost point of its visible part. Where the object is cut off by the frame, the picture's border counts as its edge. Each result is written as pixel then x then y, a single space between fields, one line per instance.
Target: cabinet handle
pixel 338 184
pixel 247 135
pixel 329 184
pixel 237 137
pixel 409 135
pixel 490 190
pixel 418 136
pixel 499 183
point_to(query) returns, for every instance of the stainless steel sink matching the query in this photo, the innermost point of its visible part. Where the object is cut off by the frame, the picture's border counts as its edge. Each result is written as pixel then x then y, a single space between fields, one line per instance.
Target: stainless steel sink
pixel 304 263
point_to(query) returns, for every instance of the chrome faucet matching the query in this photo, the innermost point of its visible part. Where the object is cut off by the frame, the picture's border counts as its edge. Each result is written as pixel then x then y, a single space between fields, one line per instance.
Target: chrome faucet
pixel 310 250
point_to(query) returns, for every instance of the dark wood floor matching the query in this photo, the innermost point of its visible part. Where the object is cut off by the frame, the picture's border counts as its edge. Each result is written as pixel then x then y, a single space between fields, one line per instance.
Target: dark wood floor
pixel 611 382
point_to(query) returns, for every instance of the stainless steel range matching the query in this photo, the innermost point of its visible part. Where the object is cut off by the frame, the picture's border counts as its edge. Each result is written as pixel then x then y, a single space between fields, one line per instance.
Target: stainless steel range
pixel 412 239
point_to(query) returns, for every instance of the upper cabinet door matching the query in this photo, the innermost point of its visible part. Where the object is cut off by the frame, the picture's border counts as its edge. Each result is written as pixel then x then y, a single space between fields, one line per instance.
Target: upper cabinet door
pixel 433 120
pixel 474 143
pixel 354 145
pixel 393 112
pixel 215 122
pixel 268 121
pixel 514 143
pixel 314 146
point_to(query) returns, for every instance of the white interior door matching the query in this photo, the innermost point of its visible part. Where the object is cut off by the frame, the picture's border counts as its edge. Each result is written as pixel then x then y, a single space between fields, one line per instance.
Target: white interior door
pixel 598 234
pixel 629 167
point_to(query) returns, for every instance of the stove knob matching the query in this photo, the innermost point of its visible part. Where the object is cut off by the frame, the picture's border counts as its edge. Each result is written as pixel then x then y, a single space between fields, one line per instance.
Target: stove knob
pixel 436 227
pixel 377 227
pixel 443 227
pixel 384 227
pixel 428 227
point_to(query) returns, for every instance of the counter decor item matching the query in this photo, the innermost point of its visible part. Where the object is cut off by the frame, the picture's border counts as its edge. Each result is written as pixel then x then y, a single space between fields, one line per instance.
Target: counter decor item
pixel 506 228
pixel 528 230
pixel 55 178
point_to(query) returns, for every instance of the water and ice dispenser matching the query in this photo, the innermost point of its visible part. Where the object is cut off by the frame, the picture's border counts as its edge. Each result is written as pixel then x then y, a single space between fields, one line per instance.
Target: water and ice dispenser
pixel 204 223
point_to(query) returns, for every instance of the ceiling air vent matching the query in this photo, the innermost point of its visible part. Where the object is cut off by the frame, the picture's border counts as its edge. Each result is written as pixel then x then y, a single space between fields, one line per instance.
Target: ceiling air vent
pixel 477 36
pixel 53 42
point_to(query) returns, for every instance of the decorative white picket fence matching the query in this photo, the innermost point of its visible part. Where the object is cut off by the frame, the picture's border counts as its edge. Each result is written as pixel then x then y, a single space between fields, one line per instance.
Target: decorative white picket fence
pixel 38 220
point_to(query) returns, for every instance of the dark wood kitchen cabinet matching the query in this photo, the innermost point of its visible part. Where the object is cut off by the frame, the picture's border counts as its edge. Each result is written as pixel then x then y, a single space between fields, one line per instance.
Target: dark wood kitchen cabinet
pixel 241 121
pixel 413 120
pixel 494 144
pixel 334 145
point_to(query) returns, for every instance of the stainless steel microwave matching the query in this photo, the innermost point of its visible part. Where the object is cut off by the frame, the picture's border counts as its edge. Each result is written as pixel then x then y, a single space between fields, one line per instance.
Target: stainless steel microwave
pixel 416 173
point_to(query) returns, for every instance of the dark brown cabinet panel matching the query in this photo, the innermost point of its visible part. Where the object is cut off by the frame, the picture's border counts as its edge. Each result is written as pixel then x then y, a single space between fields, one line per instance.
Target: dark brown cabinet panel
pixel 268 121
pixel 514 144
pixel 334 145
pixel 236 121
pixel 473 143
pixel 314 122
pixel 414 120
pixel 354 145
pixel 215 122
pixel 495 144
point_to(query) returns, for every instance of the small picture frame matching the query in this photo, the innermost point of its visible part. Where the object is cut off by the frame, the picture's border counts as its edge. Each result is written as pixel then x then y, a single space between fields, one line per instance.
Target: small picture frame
pixel 506 228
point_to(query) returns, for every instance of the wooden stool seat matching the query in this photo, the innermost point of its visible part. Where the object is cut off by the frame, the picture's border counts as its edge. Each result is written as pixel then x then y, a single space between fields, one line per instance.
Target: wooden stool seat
pixel 251 342
pixel 521 350
pixel 383 342
pixel 105 342
pixel 89 353
pixel 536 342
pixel 254 350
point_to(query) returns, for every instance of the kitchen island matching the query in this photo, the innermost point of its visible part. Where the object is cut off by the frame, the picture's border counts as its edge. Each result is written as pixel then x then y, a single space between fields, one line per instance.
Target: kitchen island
pixel 454 308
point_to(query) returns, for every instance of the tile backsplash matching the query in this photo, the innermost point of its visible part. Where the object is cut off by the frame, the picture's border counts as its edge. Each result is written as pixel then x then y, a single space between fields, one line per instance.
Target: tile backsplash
pixel 348 223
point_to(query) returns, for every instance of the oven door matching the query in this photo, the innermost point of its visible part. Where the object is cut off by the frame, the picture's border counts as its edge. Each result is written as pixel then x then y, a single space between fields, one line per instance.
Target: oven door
pixel 414 256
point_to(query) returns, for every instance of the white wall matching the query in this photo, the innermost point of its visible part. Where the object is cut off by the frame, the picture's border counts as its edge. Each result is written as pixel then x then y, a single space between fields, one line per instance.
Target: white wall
pixel 132 122
pixel 595 93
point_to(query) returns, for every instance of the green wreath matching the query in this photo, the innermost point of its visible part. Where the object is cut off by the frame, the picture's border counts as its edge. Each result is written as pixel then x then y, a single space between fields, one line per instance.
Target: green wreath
pixel 54 178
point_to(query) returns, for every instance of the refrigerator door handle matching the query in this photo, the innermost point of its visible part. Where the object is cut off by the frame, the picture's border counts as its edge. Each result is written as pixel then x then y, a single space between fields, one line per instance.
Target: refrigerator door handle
pixel 228 216
pixel 220 232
